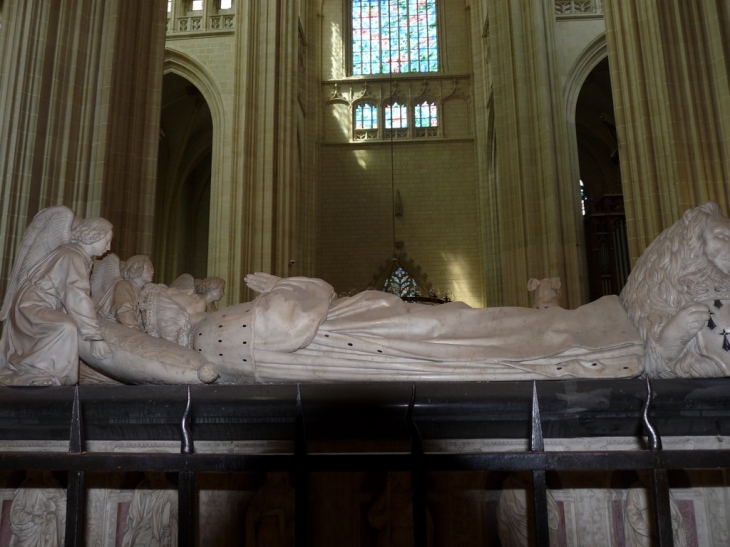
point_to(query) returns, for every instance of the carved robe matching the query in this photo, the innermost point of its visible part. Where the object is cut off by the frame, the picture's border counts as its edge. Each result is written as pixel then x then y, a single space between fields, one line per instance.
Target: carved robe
pixel 300 332
pixel 121 304
pixel 153 514
pixel 38 514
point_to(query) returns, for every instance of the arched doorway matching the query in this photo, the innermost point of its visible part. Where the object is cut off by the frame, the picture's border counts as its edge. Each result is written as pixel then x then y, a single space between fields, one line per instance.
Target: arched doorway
pixel 600 178
pixel 184 175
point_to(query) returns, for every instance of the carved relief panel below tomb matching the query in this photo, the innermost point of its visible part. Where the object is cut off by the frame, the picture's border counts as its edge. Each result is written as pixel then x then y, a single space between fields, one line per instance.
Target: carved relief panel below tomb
pixel 360 509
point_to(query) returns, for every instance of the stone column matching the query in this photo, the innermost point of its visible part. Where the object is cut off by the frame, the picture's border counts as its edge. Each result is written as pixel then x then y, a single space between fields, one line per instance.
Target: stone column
pixel 670 71
pixel 260 210
pixel 78 115
pixel 130 113
pixel 535 205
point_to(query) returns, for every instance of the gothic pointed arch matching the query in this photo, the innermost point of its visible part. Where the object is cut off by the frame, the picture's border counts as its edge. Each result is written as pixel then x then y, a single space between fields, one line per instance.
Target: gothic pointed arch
pixel 190 163
pixel 595 169
pixel 179 63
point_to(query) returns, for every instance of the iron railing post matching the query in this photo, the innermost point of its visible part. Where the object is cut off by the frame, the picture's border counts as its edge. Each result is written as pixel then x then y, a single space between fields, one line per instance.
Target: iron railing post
pixel 659 479
pixel 539 484
pixel 301 477
pixel 75 490
pixel 418 478
pixel 186 483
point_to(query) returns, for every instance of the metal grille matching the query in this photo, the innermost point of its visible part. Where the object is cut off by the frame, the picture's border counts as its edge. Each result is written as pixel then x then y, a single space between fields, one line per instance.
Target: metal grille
pixel 252 412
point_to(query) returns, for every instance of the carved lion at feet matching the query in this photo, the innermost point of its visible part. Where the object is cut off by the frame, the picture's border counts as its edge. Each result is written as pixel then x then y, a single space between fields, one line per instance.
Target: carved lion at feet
pixel 680 282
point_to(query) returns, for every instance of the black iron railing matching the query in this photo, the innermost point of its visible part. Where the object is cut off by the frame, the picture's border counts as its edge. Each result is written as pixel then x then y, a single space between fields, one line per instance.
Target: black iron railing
pixel 418 413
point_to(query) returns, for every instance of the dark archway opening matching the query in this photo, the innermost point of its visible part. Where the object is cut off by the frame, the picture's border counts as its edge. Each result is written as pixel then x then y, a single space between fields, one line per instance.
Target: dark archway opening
pixel 182 210
pixel 605 221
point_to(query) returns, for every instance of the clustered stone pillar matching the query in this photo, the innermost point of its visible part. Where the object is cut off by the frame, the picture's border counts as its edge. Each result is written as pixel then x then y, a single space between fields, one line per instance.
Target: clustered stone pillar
pixel 79 111
pixel 534 213
pixel 670 73
pixel 131 115
pixel 263 210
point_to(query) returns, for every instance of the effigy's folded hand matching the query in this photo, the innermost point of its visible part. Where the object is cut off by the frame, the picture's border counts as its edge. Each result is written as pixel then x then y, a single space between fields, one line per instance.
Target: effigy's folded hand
pixel 261 282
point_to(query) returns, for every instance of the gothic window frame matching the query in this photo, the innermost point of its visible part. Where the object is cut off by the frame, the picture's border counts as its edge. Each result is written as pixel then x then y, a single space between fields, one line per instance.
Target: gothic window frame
pixel 400 132
pixel 366 133
pixel 348 12
pixel 430 130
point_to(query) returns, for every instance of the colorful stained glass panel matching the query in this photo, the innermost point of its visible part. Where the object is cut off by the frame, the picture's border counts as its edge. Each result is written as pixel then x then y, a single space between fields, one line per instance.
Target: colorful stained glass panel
pixel 401 283
pixel 426 115
pixel 366 116
pixel 392 36
pixel 396 116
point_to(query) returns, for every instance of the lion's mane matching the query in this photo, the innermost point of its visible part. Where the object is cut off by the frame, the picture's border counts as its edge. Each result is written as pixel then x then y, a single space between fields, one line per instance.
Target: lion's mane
pixel 666 278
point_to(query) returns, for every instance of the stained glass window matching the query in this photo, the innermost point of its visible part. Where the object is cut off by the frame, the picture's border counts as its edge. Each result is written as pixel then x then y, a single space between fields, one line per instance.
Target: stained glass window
pixel 391 36
pixel 366 116
pixel 197 5
pixel 425 115
pixel 401 283
pixel 396 116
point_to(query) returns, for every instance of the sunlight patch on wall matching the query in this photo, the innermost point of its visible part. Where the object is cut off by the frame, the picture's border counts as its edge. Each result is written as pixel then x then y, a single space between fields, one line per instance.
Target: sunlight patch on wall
pixel 462 282
pixel 363 158
pixel 338 56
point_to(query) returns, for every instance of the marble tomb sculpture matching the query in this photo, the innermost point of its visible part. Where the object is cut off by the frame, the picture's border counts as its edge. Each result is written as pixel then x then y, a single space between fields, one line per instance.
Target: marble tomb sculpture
pixel 50 319
pixel 47 311
pixel 547 292
pixel 297 330
pixel 678 296
pixel 116 288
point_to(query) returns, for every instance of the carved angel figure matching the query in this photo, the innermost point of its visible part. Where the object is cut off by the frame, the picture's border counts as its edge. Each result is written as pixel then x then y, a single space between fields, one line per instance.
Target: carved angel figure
pixel 116 288
pixel 47 305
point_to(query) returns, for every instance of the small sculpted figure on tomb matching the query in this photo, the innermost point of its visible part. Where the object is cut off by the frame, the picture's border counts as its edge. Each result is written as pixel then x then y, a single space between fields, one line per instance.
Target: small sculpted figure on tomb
pixel 514 510
pixel 47 306
pixel 547 292
pixel 153 513
pixel 38 512
pixel 197 296
pixel 678 294
pixel 116 288
pixel 163 316
pixel 392 513
pixel 211 289
pixel 639 528
pixel 270 517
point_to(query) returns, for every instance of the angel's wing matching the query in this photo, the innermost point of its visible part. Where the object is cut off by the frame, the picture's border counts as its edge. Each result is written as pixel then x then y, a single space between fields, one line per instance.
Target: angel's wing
pixel 185 282
pixel 49 229
pixel 106 272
